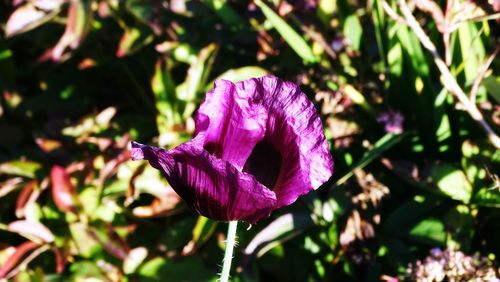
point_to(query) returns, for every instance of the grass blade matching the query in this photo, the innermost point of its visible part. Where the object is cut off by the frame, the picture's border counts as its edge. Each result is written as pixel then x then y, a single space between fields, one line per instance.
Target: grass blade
pixel 297 42
pixel 382 145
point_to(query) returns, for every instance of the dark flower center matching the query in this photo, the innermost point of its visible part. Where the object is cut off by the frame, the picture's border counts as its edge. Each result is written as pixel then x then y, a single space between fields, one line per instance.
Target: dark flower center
pixel 264 164
pixel 214 149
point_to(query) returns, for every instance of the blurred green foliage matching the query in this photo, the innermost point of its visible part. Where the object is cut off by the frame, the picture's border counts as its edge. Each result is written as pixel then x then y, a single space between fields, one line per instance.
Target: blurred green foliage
pixel 80 78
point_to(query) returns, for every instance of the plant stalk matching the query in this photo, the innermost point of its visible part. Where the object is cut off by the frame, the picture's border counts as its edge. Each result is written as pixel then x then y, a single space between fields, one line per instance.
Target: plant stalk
pixel 228 254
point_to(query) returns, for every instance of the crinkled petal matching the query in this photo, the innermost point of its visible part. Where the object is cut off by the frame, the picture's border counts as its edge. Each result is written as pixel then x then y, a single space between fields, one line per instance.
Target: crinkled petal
pixel 230 124
pixel 212 187
pixel 294 129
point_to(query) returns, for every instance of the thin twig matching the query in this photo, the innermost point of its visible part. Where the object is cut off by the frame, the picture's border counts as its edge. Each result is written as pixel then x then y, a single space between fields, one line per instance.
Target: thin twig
pixel 447 78
pixel 489 17
pixel 447 32
pixel 482 73
pixel 318 37
pixel 392 14
pixel 432 8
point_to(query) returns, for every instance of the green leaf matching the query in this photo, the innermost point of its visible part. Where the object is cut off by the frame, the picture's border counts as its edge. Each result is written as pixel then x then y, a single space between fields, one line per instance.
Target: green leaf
pixel 333 235
pixel 20 168
pixel 358 98
pixel 429 231
pixel 178 234
pixel 84 270
pixel 395 252
pixel 379 24
pixel 185 269
pixel 88 198
pixel 382 145
pixel 469 39
pixel 395 59
pixel 297 42
pixel 82 243
pixel 134 39
pixel 7 74
pixel 326 9
pixel 280 230
pixel 339 201
pixel 196 78
pixel 163 88
pixel 411 83
pixel 480 158
pixel 240 74
pixel 411 45
pixel 141 9
pixel 459 223
pixel 488 197
pixel 353 30
pixel 452 182
pixel 134 259
pixel 183 52
pixel 5 54
pixel 443 130
pixel 492 85
pixel 226 13
pixel 408 214
pixel 203 229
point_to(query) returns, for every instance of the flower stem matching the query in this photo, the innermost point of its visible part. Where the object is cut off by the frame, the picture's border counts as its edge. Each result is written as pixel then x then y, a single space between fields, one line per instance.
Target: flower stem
pixel 228 254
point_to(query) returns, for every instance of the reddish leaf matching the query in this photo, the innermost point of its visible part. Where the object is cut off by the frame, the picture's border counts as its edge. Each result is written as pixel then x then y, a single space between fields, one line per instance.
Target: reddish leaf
pixel 60 261
pixel 111 166
pixel 48 5
pixel 87 63
pixel 63 192
pixel 405 169
pixel 48 145
pixel 16 3
pixel 29 194
pixel 17 257
pixel 158 208
pixel 111 242
pixel 23 19
pixel 31 15
pixel 10 185
pixel 32 230
pixel 102 142
pixel 131 191
pixel 133 40
pixel 77 25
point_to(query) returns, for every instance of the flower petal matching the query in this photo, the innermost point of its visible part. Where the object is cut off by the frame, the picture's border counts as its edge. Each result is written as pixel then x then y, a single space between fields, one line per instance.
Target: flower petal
pixel 294 129
pixel 212 187
pixel 230 124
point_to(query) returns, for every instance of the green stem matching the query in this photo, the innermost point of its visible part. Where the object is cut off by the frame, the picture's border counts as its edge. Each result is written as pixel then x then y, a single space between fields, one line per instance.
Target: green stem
pixel 228 254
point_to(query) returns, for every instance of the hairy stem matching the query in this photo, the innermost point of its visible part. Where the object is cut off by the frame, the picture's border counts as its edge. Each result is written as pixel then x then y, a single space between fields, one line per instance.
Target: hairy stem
pixel 228 254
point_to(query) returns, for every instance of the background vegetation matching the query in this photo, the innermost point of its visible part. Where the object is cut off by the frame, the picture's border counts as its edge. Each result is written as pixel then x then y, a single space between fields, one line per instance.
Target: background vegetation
pixel 416 174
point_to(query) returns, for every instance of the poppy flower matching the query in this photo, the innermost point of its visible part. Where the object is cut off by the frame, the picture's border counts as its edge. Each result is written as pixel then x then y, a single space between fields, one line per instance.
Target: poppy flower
pixel 259 144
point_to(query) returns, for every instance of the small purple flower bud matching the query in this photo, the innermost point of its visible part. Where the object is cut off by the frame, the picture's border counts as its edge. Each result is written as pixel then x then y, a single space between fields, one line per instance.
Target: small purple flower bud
pixel 393 121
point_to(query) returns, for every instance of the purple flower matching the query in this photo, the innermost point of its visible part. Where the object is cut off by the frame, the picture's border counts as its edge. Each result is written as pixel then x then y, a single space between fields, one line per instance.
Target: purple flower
pixel 393 121
pixel 259 145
